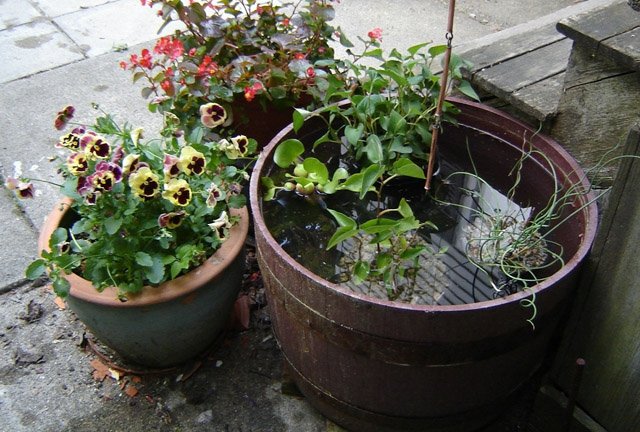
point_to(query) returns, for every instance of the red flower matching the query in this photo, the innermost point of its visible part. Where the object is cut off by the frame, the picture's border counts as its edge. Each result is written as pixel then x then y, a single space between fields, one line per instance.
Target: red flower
pixel 250 92
pixel 169 46
pixel 375 34
pixel 167 86
pixel 311 72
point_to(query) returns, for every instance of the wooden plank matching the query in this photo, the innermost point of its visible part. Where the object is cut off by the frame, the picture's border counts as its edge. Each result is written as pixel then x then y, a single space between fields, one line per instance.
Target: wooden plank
pixel 590 28
pixel 505 79
pixel 504 50
pixel 539 100
pixel 624 48
pixel 606 322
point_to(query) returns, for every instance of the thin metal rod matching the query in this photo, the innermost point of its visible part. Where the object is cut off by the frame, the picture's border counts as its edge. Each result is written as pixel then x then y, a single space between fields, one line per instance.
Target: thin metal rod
pixel 435 132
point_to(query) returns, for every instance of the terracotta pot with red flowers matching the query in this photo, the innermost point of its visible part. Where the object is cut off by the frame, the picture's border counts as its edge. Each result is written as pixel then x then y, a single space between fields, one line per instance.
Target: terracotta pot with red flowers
pixel 147 246
pixel 258 60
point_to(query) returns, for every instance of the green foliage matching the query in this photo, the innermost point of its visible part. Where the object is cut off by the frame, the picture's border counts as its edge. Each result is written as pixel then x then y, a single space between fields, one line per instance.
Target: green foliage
pixel 384 132
pixel 142 212
pixel 269 53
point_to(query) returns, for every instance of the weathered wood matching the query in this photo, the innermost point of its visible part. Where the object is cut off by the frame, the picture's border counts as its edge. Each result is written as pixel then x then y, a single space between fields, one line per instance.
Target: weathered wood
pixel 509 80
pixel 597 108
pixel 611 32
pixel 504 50
pixel 606 322
pixel 539 100
pixel 591 28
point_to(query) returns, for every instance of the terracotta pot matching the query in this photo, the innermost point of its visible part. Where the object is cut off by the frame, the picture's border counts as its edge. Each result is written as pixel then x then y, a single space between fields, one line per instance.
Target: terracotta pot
pixel 254 121
pixel 371 364
pixel 165 325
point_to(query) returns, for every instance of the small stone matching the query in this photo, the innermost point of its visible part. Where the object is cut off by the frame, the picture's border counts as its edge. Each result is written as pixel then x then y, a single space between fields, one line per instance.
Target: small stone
pixel 205 417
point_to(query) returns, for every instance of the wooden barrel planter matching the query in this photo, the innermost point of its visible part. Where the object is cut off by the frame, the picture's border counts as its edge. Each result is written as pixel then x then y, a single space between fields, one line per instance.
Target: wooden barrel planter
pixel 371 364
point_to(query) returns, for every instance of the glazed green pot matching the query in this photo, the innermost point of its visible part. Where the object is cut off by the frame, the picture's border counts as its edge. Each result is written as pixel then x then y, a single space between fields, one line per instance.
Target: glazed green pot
pixel 166 325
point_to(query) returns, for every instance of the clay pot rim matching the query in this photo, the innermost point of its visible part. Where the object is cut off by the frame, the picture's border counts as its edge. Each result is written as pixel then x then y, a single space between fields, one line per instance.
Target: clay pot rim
pixel 181 286
pixel 576 174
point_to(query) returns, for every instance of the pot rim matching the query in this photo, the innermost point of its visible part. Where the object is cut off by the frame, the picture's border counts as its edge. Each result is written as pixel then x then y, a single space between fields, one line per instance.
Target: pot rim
pixel 181 286
pixel 575 174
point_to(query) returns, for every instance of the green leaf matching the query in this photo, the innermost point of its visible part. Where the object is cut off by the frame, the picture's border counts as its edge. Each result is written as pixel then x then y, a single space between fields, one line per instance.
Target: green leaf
pixel 344 41
pixel 373 149
pixel 413 252
pixel 378 225
pixel 270 188
pixel 143 259
pixel 60 235
pixel 196 135
pixel 383 260
pixel 341 234
pixel 436 50
pixel 405 209
pixel 112 225
pixel 369 177
pixel 397 123
pixel 399 79
pixel 342 219
pixel 35 269
pixel 299 115
pixel 465 88
pixel 353 134
pixel 287 152
pixel 316 170
pixel 406 167
pixel 361 271
pixel 155 273
pixel 415 48
pixel 61 287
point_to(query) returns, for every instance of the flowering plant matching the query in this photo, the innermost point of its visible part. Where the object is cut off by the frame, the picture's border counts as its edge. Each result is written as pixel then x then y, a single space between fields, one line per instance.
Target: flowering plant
pixel 236 51
pixel 144 211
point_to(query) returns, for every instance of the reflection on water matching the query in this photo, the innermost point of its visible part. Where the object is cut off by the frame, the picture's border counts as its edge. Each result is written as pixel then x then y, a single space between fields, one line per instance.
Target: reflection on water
pixel 303 227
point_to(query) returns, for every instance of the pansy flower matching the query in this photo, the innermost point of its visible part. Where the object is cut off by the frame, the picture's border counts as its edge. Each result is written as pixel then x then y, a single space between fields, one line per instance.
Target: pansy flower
pixel 178 192
pixel 241 143
pixel 171 220
pixel 212 114
pixel 221 226
pixel 22 189
pixel 171 166
pixel 111 167
pixel 101 180
pixel 95 146
pixel 235 149
pixel 117 155
pixel 77 164
pixel 87 191
pixel 191 161
pixel 131 163
pixel 70 141
pixel 144 183
pixel 214 195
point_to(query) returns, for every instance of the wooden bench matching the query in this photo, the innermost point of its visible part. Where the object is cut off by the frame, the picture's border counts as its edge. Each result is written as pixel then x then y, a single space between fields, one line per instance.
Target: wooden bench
pixel 601 95
pixel 522 69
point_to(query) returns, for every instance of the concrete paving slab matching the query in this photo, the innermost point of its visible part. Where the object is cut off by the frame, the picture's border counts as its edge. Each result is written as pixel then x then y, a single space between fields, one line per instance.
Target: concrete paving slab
pixel 18 238
pixel 55 8
pixel 16 12
pixel 34 47
pixel 106 27
pixel 29 107
pixel 499 14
